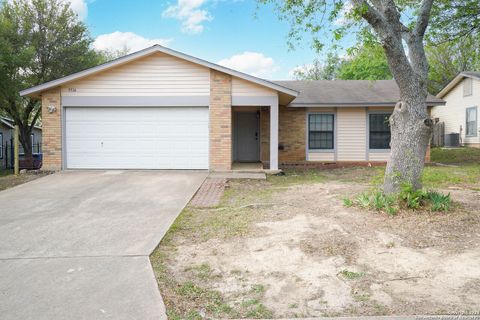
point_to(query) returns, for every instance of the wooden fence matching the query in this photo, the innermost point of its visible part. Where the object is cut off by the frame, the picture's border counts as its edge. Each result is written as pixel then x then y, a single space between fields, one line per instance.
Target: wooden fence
pixel 438 136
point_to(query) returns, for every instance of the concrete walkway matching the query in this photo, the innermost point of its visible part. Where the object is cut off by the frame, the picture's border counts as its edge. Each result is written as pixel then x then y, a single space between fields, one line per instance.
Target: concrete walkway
pixel 75 245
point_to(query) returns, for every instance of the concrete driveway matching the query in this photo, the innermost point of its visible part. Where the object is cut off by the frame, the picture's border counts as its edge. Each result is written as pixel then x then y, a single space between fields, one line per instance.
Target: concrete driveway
pixel 75 244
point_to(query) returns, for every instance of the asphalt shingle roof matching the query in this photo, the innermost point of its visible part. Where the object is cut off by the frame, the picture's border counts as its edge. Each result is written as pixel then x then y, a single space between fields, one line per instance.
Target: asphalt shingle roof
pixel 348 92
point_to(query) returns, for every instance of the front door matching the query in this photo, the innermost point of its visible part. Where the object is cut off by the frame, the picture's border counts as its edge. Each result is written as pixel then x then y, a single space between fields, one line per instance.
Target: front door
pixel 247 137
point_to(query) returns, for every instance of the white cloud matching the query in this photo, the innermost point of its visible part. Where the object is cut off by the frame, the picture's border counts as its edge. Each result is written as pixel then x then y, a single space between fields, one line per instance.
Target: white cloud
pixel 254 63
pixel 190 13
pixel 131 41
pixel 79 7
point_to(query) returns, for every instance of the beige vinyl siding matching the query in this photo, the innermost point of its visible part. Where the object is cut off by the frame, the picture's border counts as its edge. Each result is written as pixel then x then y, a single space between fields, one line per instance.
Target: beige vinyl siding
pixel 155 75
pixel 379 156
pixel 321 156
pixel 245 88
pixel 351 134
pixel 454 112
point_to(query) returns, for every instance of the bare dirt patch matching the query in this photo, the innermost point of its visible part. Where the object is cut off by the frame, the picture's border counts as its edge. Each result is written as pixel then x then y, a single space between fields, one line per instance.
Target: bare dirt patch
pixel 300 252
pixel 9 180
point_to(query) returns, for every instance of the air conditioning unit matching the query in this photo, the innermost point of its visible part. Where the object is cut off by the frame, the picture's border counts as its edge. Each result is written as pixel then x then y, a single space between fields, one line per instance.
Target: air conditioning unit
pixel 452 140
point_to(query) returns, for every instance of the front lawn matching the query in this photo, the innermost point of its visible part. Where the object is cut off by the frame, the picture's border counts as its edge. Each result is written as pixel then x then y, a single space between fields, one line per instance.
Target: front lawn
pixel 455 155
pixel 287 247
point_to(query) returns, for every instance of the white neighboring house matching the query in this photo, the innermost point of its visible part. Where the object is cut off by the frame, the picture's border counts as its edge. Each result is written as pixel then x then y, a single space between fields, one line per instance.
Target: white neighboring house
pixel 460 113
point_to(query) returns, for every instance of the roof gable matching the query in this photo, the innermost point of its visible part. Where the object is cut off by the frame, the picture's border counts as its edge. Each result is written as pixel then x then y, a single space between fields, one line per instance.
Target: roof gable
pixel 459 78
pixel 145 52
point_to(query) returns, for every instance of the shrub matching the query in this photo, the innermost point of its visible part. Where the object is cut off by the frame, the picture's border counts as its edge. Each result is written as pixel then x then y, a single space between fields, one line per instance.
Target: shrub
pixel 347 202
pixel 413 199
pixel 363 200
pixel 440 202
pixel 408 198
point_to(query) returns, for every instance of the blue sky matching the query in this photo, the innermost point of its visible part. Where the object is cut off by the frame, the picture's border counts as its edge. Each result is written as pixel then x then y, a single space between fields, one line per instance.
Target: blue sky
pixel 220 31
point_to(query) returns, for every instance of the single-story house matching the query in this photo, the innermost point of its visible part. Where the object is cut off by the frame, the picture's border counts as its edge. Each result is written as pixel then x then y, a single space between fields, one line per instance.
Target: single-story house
pixel 460 114
pixel 162 109
pixel 7 128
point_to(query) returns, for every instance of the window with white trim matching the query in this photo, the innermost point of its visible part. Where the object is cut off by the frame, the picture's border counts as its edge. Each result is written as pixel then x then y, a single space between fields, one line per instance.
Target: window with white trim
pixel 320 131
pixel 471 122
pixel 467 87
pixel 379 131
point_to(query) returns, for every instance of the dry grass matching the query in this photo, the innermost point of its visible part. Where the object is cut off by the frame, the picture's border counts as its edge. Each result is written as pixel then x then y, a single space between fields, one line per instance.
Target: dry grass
pixel 287 247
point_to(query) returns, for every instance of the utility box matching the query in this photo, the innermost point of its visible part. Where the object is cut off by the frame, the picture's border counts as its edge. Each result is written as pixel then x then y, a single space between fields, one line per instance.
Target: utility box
pixel 452 140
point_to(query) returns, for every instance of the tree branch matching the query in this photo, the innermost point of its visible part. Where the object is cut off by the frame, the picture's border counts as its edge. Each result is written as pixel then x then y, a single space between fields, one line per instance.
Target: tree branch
pixel 373 16
pixel 423 18
pixel 35 118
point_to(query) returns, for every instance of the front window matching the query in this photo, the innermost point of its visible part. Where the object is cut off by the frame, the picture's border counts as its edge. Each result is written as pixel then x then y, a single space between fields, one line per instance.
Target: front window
pixel 379 127
pixel 471 123
pixel 320 131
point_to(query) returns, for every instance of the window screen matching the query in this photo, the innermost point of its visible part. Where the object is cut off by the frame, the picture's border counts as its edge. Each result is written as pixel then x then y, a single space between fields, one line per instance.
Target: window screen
pixel 320 131
pixel 379 135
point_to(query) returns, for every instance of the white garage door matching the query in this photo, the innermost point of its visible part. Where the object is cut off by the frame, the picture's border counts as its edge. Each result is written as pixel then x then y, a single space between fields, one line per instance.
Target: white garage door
pixel 137 138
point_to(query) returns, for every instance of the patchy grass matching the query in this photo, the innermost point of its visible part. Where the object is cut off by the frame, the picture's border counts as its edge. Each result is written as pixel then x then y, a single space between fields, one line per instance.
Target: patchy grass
pixel 436 177
pixel 5 172
pixel 444 177
pixel 351 275
pixel 9 180
pixel 308 176
pixel 193 298
pixel 462 155
pixel 236 260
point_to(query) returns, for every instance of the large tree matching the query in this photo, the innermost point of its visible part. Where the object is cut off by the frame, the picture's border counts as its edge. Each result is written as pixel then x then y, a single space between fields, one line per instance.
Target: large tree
pixel 447 59
pixel 366 61
pixel 40 40
pixel 318 70
pixel 400 27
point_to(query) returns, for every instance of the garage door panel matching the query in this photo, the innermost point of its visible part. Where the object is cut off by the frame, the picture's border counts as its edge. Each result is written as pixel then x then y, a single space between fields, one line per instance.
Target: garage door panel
pixel 137 138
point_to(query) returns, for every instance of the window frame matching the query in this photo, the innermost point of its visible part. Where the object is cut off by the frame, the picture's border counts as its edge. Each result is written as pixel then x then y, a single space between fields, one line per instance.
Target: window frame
pixel 476 122
pixel 470 87
pixel 386 112
pixel 32 141
pixel 334 132
pixel 1 145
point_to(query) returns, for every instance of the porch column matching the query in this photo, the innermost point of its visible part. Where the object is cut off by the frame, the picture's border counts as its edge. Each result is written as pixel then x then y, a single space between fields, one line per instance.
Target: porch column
pixel 274 135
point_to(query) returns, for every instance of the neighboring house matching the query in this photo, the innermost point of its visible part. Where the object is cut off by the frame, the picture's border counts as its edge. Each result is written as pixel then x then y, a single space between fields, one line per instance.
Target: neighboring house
pixel 460 114
pixel 6 136
pixel 162 109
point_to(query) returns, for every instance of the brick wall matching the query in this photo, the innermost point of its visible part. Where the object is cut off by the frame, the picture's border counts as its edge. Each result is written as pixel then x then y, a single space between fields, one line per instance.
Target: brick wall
pixel 52 131
pixel 220 121
pixel 291 135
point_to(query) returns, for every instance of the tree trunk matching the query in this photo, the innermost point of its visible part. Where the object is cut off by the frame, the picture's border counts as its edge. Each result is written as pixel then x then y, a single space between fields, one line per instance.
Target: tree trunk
pixel 411 129
pixel 25 141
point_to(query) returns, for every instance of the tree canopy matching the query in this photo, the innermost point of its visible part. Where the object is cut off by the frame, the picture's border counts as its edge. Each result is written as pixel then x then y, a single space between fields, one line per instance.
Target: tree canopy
pixel 40 40
pixel 365 61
